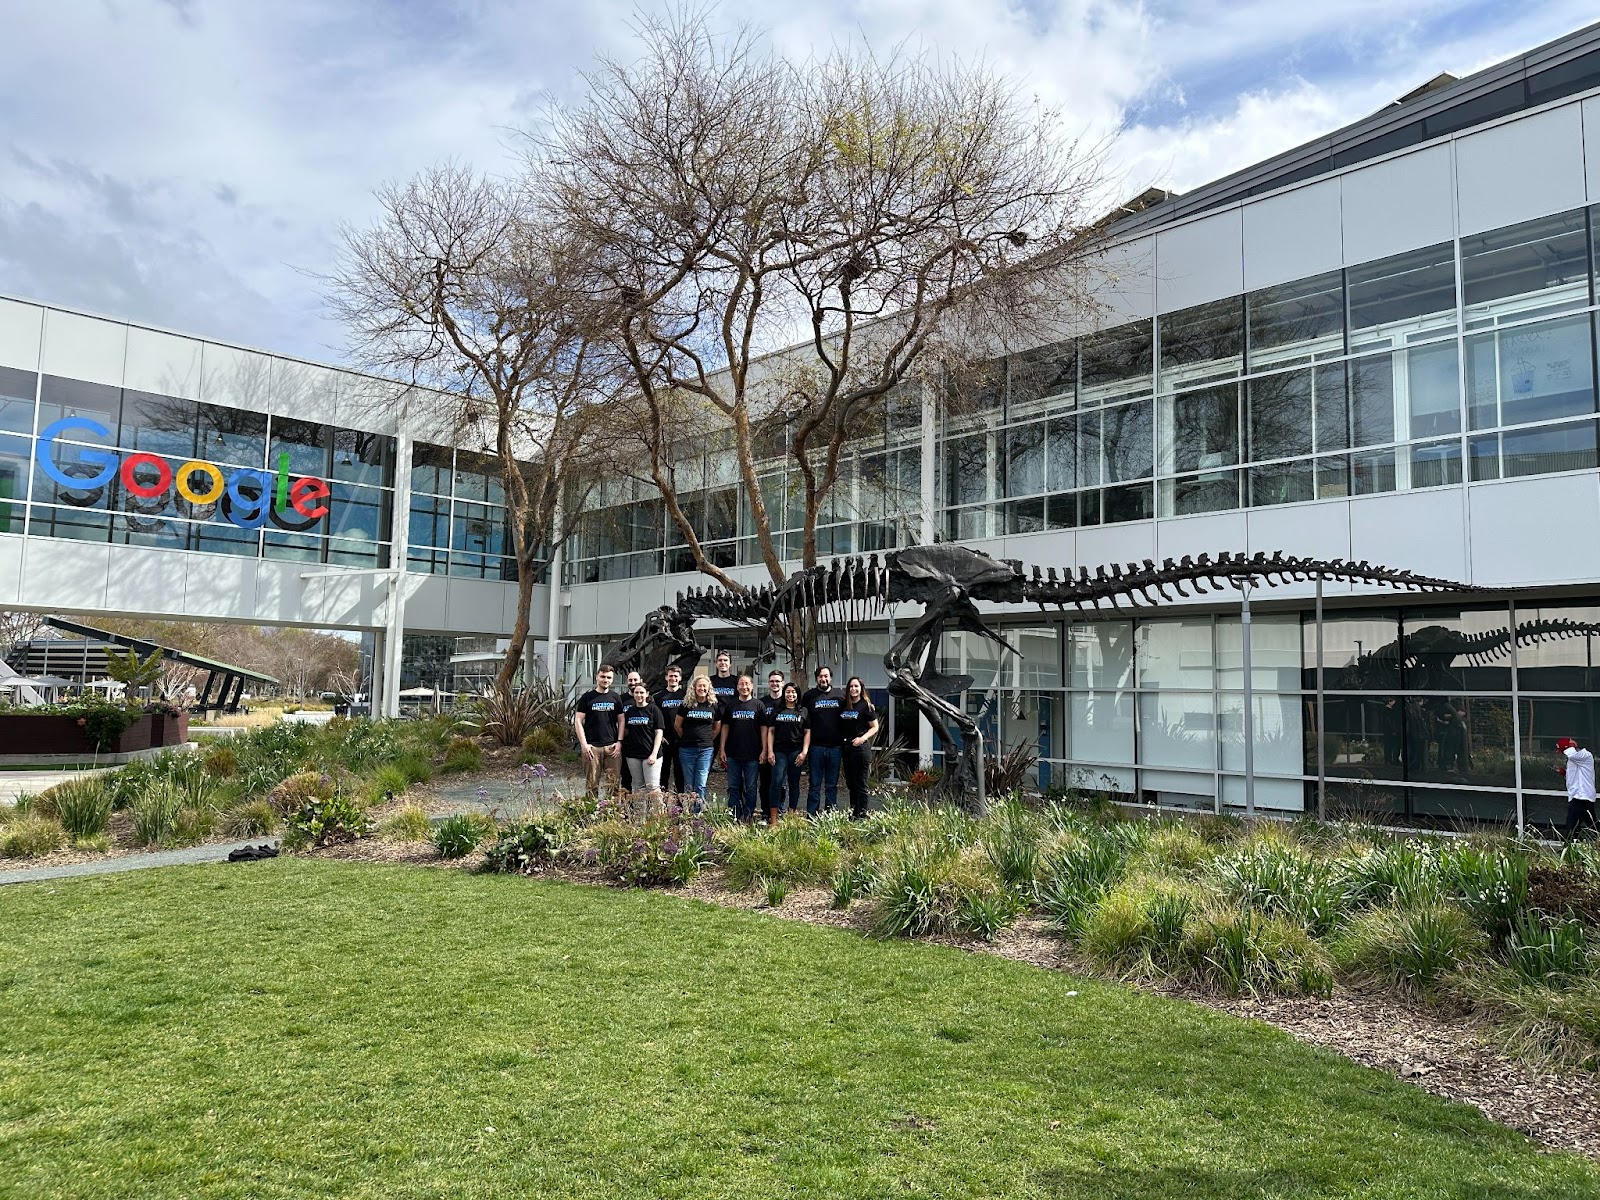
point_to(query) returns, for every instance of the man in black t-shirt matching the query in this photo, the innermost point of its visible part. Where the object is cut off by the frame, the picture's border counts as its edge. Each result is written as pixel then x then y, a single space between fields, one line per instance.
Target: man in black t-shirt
pixel 770 703
pixel 723 681
pixel 596 721
pixel 669 700
pixel 742 721
pixel 827 739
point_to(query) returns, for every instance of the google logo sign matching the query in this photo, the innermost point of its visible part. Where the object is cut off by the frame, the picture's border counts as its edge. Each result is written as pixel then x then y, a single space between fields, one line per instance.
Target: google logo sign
pixel 247 497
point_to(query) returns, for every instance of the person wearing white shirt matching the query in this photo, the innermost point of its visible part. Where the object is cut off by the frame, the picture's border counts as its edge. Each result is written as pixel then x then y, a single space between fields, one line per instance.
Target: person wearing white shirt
pixel 1579 770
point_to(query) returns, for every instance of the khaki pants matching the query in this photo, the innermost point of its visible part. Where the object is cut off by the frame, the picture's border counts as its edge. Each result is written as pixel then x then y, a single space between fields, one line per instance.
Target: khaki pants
pixel 600 770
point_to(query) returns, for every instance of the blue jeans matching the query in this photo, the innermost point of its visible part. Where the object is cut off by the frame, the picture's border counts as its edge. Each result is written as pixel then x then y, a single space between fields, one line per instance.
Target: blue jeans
pixel 696 764
pixel 824 771
pixel 785 780
pixel 743 797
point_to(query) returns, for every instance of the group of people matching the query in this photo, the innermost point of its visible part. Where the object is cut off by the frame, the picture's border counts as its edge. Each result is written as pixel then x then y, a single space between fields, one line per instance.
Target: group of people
pixel 669 740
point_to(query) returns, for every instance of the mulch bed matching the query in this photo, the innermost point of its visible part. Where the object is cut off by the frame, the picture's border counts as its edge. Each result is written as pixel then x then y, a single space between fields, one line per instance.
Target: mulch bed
pixel 1439 1053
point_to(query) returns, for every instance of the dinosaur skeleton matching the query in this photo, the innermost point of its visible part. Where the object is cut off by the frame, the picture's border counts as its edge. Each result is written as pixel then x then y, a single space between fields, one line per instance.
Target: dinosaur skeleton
pixel 948 581
pixel 1427 656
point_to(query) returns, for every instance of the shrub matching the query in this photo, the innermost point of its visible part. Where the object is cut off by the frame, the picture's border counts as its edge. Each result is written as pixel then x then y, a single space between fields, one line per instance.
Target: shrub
pixel 387 783
pixel 100 843
pixel 1409 947
pixel 524 848
pixel 250 818
pixel 1490 882
pixel 1537 1022
pixel 1405 872
pixel 776 891
pixel 300 789
pixel 31 836
pixel 1565 889
pixel 1240 949
pixel 1075 879
pixel 1006 771
pixel 666 849
pixel 548 741
pixel 1279 881
pixel 82 805
pixel 921 889
pixel 1174 848
pixel 463 754
pixel 851 880
pixel 103 724
pixel 793 852
pixel 459 835
pixel 154 813
pixel 1011 842
pixel 414 766
pixel 985 913
pixel 1546 951
pixel 220 761
pixel 1139 926
pixel 193 824
pixel 509 715
pixel 322 821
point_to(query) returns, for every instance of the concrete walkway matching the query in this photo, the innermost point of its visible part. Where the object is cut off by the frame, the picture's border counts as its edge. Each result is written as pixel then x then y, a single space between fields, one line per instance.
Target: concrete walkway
pixel 132 862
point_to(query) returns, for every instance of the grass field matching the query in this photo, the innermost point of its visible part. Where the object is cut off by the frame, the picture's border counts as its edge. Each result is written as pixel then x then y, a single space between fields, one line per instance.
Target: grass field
pixel 301 1028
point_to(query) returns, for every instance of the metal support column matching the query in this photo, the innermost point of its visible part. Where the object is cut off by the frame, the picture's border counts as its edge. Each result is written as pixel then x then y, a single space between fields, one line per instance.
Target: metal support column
pixel 1322 720
pixel 1249 705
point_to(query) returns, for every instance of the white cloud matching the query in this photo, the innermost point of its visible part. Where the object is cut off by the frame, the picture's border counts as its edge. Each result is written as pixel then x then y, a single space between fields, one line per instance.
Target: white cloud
pixel 187 162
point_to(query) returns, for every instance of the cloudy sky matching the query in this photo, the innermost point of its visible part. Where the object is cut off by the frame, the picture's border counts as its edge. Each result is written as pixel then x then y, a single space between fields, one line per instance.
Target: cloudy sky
pixel 187 163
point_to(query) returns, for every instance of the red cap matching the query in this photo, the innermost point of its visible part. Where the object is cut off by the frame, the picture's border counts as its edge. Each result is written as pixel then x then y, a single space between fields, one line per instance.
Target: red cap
pixel 1564 743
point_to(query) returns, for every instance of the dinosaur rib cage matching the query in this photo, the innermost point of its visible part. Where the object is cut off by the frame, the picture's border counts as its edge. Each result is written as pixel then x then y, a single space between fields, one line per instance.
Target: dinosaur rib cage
pixel 871 584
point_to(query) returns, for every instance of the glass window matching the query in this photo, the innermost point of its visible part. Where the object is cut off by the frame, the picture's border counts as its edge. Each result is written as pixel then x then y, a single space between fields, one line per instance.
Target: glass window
pixel 1178 729
pixel 292 547
pixel 1435 464
pixel 1100 727
pixel 306 444
pixel 1274 652
pixel 1366 736
pixel 1202 342
pixel 1025 459
pixel 1350 651
pixel 1135 503
pixel 159 529
pixel 1330 407
pixel 363 457
pixel 231 436
pixel 1456 649
pixel 68 522
pixel 1433 387
pixel 478 529
pixel 1025 516
pixel 1275 722
pixel 357 512
pixel 1293 322
pixel 431 469
pixel 1333 476
pixel 1545 720
pixel 430 523
pixel 1280 422
pixel 1558 649
pixel 722 512
pixel 1061 459
pixel 1100 654
pixel 1462 740
pixel 222 537
pixel 1536 266
pixel 13 481
pixel 158 424
pixel 1372 472
pixel 1215 491
pixel 1115 363
pixel 967 468
pixel 1127 437
pixel 1530 373
pixel 1407 294
pixel 1283 483
pixel 16 400
pixel 76 462
pixel 357 553
pixel 1174 653
pixel 1044 379
pixel 1372 401
pixel 478 478
pixel 1204 428
pixel 59 398
pixel 1548 448
pixel 1576 75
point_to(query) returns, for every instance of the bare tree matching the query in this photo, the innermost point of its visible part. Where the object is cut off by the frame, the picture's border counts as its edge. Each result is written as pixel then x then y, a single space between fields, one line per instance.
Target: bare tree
pixel 900 218
pixel 18 626
pixel 461 286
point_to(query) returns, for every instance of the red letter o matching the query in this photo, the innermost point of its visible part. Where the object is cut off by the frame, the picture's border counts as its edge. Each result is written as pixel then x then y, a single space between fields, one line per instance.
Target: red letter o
pixel 163 476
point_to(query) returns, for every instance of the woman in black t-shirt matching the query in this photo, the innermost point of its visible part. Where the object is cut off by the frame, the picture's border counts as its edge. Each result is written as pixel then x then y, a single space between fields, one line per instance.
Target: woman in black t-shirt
pixel 788 735
pixel 699 723
pixel 642 734
pixel 858 724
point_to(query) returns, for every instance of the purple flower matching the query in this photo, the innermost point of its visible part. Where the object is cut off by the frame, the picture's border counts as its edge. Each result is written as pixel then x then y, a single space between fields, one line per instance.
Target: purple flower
pixel 590 857
pixel 669 848
pixel 640 846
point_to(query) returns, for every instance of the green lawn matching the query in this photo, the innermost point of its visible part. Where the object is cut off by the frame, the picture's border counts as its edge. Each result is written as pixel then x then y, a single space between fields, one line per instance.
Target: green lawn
pixel 299 1028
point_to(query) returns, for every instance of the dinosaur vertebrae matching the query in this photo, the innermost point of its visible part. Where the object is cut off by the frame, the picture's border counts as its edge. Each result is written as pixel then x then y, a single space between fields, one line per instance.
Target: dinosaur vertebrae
pixel 857 579
pixel 1477 648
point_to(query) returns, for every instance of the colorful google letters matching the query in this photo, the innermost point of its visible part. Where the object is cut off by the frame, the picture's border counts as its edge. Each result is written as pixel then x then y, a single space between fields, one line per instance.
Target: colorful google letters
pixel 247 497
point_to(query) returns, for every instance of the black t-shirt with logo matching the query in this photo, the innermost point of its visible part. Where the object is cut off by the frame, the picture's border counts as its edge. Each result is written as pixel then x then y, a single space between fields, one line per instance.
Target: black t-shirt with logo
pixel 726 687
pixel 639 725
pixel 771 704
pixel 854 721
pixel 669 700
pixel 743 720
pixel 699 722
pixel 788 729
pixel 600 712
pixel 823 709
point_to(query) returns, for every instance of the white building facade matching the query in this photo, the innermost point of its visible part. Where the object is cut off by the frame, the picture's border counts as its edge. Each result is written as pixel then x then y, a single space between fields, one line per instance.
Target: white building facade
pixel 1378 346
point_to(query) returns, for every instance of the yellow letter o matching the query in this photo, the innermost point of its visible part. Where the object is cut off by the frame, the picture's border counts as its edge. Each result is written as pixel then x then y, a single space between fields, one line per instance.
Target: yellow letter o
pixel 211 495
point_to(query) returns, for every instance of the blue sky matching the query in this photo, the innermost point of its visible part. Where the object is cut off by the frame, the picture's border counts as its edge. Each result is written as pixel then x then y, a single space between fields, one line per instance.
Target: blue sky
pixel 188 163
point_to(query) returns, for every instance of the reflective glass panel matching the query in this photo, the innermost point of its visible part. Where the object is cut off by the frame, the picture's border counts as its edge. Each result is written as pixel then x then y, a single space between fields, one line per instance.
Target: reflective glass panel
pixel 1127 438
pixel 1548 448
pixel 1100 727
pixel 1274 652
pixel 1456 650
pixel 1358 651
pixel 1295 321
pixel 1433 389
pixel 14 454
pixel 158 424
pixel 363 457
pixel 1133 503
pixel 1025 459
pixel 1215 491
pixel 1204 427
pixel 1536 266
pixel 1174 653
pixel 1275 724
pixel 1545 720
pixel 1436 464
pixel 1280 415
pixel 306 444
pixel 1406 294
pixel 357 512
pixel 1202 342
pixel 231 435
pixel 1115 362
pixel 16 400
pixel 967 467
pixel 60 398
pixel 1061 459
pixel 1283 483
pixel 1100 654
pixel 1178 729
pixel 1044 379
pixel 1530 373
pixel 1372 406
pixel 431 468
pixel 1558 648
